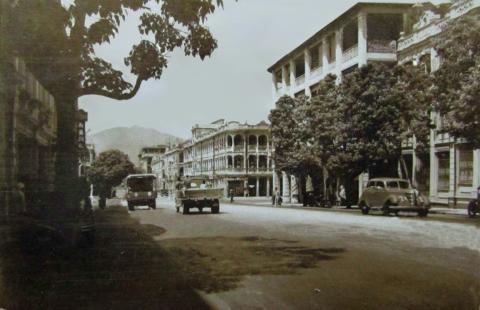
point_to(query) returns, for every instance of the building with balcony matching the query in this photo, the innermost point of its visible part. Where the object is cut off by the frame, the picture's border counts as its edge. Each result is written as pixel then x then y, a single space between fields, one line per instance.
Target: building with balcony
pixel 230 155
pixel 452 167
pixel 364 33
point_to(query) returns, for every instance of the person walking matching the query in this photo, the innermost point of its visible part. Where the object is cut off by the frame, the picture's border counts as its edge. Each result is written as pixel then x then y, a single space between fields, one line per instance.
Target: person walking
pixel 231 195
pixel 342 195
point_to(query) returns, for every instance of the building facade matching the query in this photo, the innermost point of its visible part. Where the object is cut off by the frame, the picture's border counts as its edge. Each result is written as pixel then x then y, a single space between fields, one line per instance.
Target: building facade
pixel 395 33
pixel 148 155
pixel 367 32
pixel 28 134
pixel 230 155
pixel 453 171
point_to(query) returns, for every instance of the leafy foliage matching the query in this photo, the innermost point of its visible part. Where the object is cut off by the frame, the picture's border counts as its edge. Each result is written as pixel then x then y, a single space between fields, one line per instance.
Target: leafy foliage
pixel 456 82
pixel 109 169
pixel 356 126
pixel 59 41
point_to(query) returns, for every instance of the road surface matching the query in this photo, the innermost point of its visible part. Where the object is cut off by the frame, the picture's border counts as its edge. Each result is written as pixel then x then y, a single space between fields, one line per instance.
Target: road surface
pixel 253 257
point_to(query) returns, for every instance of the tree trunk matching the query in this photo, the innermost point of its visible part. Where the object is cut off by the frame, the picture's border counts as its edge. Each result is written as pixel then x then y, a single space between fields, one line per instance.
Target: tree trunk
pixel 67 153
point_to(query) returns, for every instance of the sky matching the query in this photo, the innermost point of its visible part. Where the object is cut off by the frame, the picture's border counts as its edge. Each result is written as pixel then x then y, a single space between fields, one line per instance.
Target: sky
pixel 232 84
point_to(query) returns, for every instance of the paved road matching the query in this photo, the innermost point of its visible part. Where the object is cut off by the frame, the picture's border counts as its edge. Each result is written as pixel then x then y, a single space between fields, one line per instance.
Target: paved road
pixel 251 257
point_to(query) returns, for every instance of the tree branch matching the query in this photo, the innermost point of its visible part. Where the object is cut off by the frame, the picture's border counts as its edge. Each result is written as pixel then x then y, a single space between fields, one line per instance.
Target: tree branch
pixel 113 95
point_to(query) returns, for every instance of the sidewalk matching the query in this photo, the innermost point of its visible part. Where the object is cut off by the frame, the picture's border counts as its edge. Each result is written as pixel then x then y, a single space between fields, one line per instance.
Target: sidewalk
pixel 437 209
pixel 125 269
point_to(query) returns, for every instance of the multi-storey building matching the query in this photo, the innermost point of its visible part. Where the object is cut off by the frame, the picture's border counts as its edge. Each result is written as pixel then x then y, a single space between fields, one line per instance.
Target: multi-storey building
pixel 452 167
pixel 230 155
pixel 148 155
pixel 28 132
pixel 367 32
pixel 167 169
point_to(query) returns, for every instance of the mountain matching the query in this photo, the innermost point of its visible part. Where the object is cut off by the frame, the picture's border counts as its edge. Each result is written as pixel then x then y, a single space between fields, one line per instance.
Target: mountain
pixel 130 140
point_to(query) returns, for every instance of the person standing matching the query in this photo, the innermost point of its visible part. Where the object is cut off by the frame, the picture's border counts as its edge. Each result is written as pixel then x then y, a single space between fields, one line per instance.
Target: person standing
pixel 342 195
pixel 278 199
pixel 231 195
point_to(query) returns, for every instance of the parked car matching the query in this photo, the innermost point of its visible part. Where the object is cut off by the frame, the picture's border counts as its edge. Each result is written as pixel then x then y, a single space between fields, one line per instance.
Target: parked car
pixel 474 205
pixel 392 195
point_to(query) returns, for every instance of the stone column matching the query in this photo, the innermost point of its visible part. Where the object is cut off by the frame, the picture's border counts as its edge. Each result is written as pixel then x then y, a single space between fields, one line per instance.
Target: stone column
pixel 274 85
pixel 286 187
pixel 285 75
pixel 245 153
pixel 257 188
pixel 338 54
pixel 325 62
pixel 294 189
pixel 275 180
pixel 292 78
pixel 434 60
pixel 308 67
pixel 362 39
pixel 268 187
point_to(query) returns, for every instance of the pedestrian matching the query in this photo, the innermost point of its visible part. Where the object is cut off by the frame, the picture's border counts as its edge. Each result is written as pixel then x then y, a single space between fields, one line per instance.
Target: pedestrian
pixel 231 195
pixel 274 197
pixel 342 195
pixel 19 202
pixel 278 199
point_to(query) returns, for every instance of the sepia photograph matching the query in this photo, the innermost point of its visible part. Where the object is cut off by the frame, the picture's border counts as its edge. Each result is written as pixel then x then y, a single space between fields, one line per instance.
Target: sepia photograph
pixel 239 154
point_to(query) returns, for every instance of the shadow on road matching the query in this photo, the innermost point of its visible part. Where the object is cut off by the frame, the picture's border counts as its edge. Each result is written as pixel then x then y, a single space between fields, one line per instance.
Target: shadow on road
pixel 220 263
pixel 125 269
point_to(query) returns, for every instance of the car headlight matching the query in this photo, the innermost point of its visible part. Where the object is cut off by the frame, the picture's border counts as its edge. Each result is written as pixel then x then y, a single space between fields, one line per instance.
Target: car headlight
pixel 149 194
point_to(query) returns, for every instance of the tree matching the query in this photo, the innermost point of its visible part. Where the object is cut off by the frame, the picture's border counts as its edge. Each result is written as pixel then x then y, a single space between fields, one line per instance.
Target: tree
pixel 375 115
pixel 108 170
pixel 58 43
pixel 291 135
pixel 457 86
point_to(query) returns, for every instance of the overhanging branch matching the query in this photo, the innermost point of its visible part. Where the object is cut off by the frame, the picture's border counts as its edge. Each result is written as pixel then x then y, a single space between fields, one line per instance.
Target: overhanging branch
pixel 113 94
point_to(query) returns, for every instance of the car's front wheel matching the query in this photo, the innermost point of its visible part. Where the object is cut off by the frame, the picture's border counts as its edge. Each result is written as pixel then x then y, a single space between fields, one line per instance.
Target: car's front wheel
pixel 364 208
pixel 386 209
pixel 131 207
pixel 472 208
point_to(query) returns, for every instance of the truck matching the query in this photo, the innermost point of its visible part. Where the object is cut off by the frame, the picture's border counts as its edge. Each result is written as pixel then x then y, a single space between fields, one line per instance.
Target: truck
pixel 194 196
pixel 141 191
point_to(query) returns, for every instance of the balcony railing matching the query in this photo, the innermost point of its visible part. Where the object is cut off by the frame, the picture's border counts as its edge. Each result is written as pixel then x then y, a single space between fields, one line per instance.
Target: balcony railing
pixel 300 80
pixel 239 148
pixel 262 148
pixel 316 72
pixel 350 53
pixel 382 46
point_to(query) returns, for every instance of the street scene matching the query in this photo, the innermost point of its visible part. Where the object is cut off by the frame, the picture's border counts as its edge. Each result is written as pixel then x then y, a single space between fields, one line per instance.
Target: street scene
pixel 217 154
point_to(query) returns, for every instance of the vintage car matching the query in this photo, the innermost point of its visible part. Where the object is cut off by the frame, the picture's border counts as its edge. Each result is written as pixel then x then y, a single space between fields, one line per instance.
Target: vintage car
pixel 392 195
